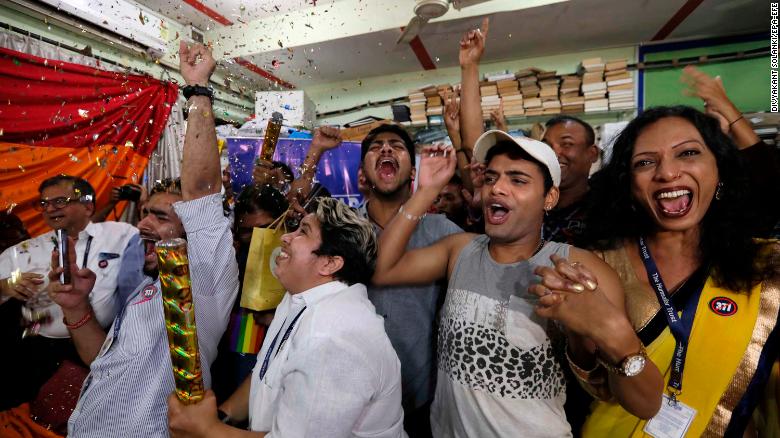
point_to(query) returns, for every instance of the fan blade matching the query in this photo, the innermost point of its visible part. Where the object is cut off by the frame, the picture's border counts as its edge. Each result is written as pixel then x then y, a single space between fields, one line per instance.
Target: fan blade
pixel 412 30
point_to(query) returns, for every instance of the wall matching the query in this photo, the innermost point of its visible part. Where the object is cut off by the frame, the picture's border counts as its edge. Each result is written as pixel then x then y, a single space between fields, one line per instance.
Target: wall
pixel 346 94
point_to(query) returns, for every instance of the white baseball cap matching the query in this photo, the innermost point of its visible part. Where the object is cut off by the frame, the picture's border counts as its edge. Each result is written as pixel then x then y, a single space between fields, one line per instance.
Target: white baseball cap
pixel 540 151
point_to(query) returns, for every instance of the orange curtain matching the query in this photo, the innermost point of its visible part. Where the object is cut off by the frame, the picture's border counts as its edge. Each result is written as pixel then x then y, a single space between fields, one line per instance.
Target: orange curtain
pixel 105 167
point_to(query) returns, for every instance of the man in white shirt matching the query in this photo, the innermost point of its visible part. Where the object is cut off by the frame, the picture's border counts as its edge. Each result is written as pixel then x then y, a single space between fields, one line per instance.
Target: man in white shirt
pixel 327 368
pixel 110 249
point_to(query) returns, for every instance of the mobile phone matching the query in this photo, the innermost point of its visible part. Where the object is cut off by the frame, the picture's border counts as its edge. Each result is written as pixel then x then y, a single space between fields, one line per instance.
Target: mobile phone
pixel 62 243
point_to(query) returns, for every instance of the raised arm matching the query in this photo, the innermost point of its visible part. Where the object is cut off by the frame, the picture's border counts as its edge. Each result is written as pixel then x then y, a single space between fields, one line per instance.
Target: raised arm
pixel 718 105
pixel 452 122
pixel 325 139
pixel 202 175
pixel 395 265
pixel 585 295
pixel 472 45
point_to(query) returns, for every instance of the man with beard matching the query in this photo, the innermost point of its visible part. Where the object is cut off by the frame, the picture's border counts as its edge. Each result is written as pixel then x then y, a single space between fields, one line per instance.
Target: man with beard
pixel 130 364
pixel 387 156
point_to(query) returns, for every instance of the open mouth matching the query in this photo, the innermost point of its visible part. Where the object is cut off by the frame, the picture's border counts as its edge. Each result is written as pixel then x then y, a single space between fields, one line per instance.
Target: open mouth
pixel 149 253
pixel 387 168
pixel 674 202
pixel 496 212
pixel 283 255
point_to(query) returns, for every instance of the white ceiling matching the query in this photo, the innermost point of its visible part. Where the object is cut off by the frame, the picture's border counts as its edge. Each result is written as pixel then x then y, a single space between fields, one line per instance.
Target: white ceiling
pixel 564 27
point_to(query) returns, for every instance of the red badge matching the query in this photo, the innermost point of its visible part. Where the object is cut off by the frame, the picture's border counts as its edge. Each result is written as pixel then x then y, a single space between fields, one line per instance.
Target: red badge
pixel 146 294
pixel 723 306
pixel 103 264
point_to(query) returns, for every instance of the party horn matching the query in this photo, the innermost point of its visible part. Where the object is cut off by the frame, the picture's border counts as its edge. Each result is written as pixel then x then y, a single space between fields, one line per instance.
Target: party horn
pixel 179 309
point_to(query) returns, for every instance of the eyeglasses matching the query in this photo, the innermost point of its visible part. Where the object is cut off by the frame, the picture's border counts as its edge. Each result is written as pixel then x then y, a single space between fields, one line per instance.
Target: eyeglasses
pixel 58 203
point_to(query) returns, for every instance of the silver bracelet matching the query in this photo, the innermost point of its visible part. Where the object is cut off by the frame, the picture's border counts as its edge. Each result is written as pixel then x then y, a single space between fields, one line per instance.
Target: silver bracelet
pixel 411 217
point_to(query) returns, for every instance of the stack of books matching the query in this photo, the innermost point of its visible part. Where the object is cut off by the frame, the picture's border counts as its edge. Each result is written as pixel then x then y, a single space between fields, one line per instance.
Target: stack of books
pixel 509 92
pixel 434 107
pixel 529 88
pixel 490 98
pixel 594 88
pixel 549 88
pixel 620 85
pixel 571 100
pixel 417 102
pixel 499 76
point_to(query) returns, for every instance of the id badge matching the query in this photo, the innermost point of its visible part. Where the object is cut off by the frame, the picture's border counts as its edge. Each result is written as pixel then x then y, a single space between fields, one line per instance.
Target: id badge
pixel 672 421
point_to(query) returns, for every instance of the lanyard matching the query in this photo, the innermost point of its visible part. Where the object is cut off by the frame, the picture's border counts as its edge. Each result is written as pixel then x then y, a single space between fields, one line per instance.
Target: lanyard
pixel 86 253
pixel 679 326
pixel 267 359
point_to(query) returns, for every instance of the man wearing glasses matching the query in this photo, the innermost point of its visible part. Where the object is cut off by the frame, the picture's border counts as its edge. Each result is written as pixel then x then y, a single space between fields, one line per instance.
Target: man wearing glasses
pixel 107 248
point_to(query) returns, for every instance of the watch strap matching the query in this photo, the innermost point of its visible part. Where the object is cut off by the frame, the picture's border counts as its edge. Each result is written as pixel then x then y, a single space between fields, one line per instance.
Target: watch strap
pixel 197 90
pixel 619 369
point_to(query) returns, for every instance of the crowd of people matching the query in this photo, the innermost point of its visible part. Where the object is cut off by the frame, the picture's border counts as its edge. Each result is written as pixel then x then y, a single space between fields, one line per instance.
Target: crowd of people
pixel 494 288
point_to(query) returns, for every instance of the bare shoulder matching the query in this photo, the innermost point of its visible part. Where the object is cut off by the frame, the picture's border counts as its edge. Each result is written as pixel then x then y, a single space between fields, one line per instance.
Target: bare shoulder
pixel 455 244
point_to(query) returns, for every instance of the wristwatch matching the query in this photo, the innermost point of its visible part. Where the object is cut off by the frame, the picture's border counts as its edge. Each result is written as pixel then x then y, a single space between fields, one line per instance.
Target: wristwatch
pixel 630 366
pixel 197 90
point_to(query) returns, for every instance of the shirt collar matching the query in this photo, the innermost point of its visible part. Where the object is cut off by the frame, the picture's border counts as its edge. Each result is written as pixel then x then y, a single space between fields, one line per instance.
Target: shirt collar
pixel 92 229
pixel 311 296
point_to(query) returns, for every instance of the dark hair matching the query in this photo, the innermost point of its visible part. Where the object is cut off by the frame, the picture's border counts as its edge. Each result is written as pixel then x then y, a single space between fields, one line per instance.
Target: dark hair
pixel 726 230
pixel 347 234
pixel 81 187
pixel 393 129
pixel 255 198
pixel 285 169
pixel 456 180
pixel 515 152
pixel 590 134
pixel 166 185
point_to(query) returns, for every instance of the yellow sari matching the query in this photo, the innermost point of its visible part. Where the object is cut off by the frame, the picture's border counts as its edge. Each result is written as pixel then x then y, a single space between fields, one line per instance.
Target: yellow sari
pixel 723 354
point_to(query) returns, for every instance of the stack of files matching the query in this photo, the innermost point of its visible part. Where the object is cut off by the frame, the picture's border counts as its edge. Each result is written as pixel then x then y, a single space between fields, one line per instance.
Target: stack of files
pixel 620 85
pixel 594 88
pixel 571 99
pixel 490 99
pixel 417 103
pixel 509 92
pixel 529 86
pixel 499 76
pixel 765 126
pixel 434 106
pixel 549 85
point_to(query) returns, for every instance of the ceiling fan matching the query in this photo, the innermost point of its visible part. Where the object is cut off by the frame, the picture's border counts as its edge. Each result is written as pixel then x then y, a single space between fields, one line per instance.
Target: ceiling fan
pixel 426 10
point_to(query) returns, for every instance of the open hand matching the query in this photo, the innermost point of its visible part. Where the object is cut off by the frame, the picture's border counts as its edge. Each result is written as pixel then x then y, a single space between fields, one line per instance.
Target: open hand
pixel 451 110
pixel 712 92
pixel 437 166
pixel 472 45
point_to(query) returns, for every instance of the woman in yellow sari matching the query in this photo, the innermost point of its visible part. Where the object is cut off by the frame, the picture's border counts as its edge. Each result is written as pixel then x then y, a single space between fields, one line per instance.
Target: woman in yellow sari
pixel 669 215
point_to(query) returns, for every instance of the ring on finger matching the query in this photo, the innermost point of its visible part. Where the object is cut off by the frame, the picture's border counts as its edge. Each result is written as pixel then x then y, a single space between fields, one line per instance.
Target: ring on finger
pixel 576 265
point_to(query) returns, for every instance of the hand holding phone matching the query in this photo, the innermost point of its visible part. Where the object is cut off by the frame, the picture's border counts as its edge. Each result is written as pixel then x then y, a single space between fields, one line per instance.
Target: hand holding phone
pixel 64 259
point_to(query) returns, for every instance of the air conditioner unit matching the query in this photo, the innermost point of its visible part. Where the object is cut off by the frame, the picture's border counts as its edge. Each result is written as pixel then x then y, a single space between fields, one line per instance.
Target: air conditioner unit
pixel 193 34
pixel 124 18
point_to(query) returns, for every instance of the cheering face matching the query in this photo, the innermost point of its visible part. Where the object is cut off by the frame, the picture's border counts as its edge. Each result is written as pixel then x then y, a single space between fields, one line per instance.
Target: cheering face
pixel 674 175
pixel 575 155
pixel 159 222
pixel 63 209
pixel 513 198
pixel 387 165
pixel 297 266
pixel 450 202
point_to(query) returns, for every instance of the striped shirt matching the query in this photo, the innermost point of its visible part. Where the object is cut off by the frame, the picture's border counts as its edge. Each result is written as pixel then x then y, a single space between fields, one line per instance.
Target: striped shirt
pixel 125 393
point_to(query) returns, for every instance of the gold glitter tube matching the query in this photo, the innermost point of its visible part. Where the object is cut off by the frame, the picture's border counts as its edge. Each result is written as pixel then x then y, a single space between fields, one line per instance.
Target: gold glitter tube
pixel 173 265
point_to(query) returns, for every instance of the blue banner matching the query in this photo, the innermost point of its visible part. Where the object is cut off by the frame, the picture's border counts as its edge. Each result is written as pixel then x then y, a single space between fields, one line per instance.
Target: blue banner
pixel 337 170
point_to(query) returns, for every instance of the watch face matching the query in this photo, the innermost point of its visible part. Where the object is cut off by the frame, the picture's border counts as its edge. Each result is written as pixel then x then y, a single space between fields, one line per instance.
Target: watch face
pixel 634 365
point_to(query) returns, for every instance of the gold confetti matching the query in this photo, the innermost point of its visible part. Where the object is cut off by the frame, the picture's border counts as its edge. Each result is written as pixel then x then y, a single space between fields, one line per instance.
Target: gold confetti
pixel 83 113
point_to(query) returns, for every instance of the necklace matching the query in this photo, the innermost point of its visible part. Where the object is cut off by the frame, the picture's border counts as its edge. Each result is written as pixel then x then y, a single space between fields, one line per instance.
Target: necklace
pixel 538 248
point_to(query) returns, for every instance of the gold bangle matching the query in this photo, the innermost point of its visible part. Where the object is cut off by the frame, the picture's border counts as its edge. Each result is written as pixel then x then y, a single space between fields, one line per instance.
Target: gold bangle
pixel 411 217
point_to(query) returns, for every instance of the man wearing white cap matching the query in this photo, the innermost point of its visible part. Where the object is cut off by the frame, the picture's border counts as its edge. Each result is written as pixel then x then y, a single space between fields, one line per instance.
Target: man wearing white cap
pixel 497 374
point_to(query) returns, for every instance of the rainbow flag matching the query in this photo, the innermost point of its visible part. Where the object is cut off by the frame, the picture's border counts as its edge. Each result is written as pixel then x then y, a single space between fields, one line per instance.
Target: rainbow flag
pixel 246 335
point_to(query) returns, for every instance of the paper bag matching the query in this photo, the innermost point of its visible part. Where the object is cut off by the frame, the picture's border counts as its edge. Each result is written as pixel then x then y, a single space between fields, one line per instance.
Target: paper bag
pixel 261 289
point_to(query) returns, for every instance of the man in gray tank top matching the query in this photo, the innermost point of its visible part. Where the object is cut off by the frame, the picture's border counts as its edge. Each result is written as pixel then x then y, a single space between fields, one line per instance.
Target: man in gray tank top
pixel 497 374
